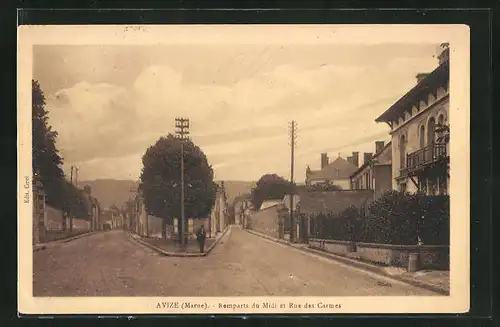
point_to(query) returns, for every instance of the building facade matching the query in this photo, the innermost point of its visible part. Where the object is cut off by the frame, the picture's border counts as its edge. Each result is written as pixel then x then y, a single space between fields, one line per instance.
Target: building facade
pixel 420 156
pixel 218 215
pixel 376 172
pixel 242 207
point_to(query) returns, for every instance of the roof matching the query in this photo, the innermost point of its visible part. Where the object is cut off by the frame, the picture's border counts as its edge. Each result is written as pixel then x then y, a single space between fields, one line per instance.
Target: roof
pixel 337 170
pixel 333 201
pixel 269 203
pixel 365 164
pixel 435 79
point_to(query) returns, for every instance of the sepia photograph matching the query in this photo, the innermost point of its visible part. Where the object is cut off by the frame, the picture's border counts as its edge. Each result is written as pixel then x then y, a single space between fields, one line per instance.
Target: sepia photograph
pixel 243 169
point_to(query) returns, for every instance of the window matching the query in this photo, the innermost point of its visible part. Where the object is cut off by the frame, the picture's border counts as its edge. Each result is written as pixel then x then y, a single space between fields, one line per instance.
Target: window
pixel 430 131
pixel 402 152
pixel 443 185
pixel 432 186
pixel 402 187
pixel 441 123
pixel 423 185
pixel 441 119
pixel 422 136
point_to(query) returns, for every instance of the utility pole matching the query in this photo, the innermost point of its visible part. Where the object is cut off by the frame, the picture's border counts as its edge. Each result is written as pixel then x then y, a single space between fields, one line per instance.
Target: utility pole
pixel 293 132
pixel 76 176
pixel 182 125
pixel 70 203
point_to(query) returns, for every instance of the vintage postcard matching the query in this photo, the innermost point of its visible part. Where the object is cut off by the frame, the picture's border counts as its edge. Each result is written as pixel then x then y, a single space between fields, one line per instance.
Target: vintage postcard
pixel 242 169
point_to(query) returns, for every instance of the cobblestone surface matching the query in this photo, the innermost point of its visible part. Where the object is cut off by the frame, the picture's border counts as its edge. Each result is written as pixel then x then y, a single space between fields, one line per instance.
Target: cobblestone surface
pixel 242 264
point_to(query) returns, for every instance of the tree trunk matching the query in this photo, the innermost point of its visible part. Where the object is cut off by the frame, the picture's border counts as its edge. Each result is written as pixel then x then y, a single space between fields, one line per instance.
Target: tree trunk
pixel 164 229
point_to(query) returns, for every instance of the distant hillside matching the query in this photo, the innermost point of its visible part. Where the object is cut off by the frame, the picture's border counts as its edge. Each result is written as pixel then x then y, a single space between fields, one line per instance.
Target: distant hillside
pixel 110 191
pixel 236 188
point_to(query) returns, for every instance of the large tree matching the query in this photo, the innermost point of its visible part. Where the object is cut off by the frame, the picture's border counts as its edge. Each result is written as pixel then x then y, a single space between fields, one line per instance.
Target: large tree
pixel 46 160
pixel 161 180
pixel 270 187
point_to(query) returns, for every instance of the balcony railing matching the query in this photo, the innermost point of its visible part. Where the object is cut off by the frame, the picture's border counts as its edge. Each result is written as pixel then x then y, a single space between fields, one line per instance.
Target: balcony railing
pixel 425 156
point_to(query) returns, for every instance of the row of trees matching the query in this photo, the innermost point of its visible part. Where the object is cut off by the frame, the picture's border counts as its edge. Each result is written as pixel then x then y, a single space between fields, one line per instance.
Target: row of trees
pixel 47 161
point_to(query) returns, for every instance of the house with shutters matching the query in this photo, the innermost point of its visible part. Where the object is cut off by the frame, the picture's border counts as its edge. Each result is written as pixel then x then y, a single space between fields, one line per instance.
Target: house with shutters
pixel 337 172
pixel 420 156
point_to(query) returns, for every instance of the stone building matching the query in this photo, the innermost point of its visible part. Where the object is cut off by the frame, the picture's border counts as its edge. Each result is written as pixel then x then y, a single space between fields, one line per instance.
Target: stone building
pixel 376 172
pixel 337 172
pixel 419 157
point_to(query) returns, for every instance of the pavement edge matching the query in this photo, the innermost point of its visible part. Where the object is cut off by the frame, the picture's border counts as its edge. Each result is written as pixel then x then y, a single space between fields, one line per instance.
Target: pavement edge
pixel 43 246
pixel 174 254
pixel 358 264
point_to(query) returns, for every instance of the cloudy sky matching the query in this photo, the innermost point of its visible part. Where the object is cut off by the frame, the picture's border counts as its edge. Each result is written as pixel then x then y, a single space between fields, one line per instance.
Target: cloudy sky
pixel 109 103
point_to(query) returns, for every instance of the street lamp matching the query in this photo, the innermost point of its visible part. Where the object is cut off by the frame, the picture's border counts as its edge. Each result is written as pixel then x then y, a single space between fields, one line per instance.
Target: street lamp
pixel 182 126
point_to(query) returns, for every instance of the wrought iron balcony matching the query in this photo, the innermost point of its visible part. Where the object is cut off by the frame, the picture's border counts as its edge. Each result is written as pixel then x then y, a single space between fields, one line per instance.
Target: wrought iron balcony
pixel 425 157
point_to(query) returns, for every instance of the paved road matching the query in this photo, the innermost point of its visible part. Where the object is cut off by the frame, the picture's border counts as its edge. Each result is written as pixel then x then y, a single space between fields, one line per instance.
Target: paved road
pixel 107 264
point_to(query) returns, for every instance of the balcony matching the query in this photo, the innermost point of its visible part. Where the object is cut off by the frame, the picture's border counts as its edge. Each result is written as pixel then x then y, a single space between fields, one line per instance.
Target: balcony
pixel 424 158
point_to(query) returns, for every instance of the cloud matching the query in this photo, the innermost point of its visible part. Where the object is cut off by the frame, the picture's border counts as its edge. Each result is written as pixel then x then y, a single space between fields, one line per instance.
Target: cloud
pixel 88 118
pixel 242 126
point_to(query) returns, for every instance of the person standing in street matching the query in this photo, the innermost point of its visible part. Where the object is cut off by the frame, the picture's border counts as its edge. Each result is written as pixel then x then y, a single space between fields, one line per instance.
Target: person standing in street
pixel 200 237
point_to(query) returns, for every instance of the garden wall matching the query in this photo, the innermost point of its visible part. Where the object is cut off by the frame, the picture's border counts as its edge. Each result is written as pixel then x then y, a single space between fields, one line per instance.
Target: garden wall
pixel 265 221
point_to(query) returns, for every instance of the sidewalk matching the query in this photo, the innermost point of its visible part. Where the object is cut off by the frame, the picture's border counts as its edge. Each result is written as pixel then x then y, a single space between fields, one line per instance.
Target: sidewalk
pixel 171 249
pixel 173 245
pixel 436 281
pixel 62 239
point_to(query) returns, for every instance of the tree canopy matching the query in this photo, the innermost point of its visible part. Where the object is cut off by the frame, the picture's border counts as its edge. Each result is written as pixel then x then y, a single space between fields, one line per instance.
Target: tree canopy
pixel 46 159
pixel 161 180
pixel 47 162
pixel 270 187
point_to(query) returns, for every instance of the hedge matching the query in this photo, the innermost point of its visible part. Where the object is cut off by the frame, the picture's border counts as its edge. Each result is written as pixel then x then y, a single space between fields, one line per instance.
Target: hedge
pixel 395 218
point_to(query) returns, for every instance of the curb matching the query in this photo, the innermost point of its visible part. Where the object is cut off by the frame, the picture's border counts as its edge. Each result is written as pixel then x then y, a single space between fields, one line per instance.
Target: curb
pixel 66 240
pixel 44 246
pixel 358 264
pixel 37 248
pixel 179 254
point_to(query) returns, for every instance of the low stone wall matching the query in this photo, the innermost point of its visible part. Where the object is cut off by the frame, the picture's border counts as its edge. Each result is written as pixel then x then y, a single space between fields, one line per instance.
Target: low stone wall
pixel 431 256
pixel 332 246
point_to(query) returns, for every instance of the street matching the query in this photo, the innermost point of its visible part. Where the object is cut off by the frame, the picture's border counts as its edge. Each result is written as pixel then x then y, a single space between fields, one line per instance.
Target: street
pixel 108 264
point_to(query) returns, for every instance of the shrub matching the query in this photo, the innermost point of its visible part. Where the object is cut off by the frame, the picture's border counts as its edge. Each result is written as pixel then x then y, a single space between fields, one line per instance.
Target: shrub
pixel 395 218
pixel 403 218
pixel 339 226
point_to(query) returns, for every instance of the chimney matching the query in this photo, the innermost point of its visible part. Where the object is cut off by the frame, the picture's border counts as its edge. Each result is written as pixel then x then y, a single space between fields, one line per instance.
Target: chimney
pixel 367 157
pixel 349 160
pixel 421 76
pixel 379 145
pixel 324 160
pixel 355 159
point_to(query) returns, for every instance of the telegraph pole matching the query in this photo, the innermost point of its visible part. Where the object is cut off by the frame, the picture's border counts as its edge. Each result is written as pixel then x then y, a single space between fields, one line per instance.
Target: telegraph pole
pixel 76 176
pixel 182 125
pixel 70 203
pixel 293 132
